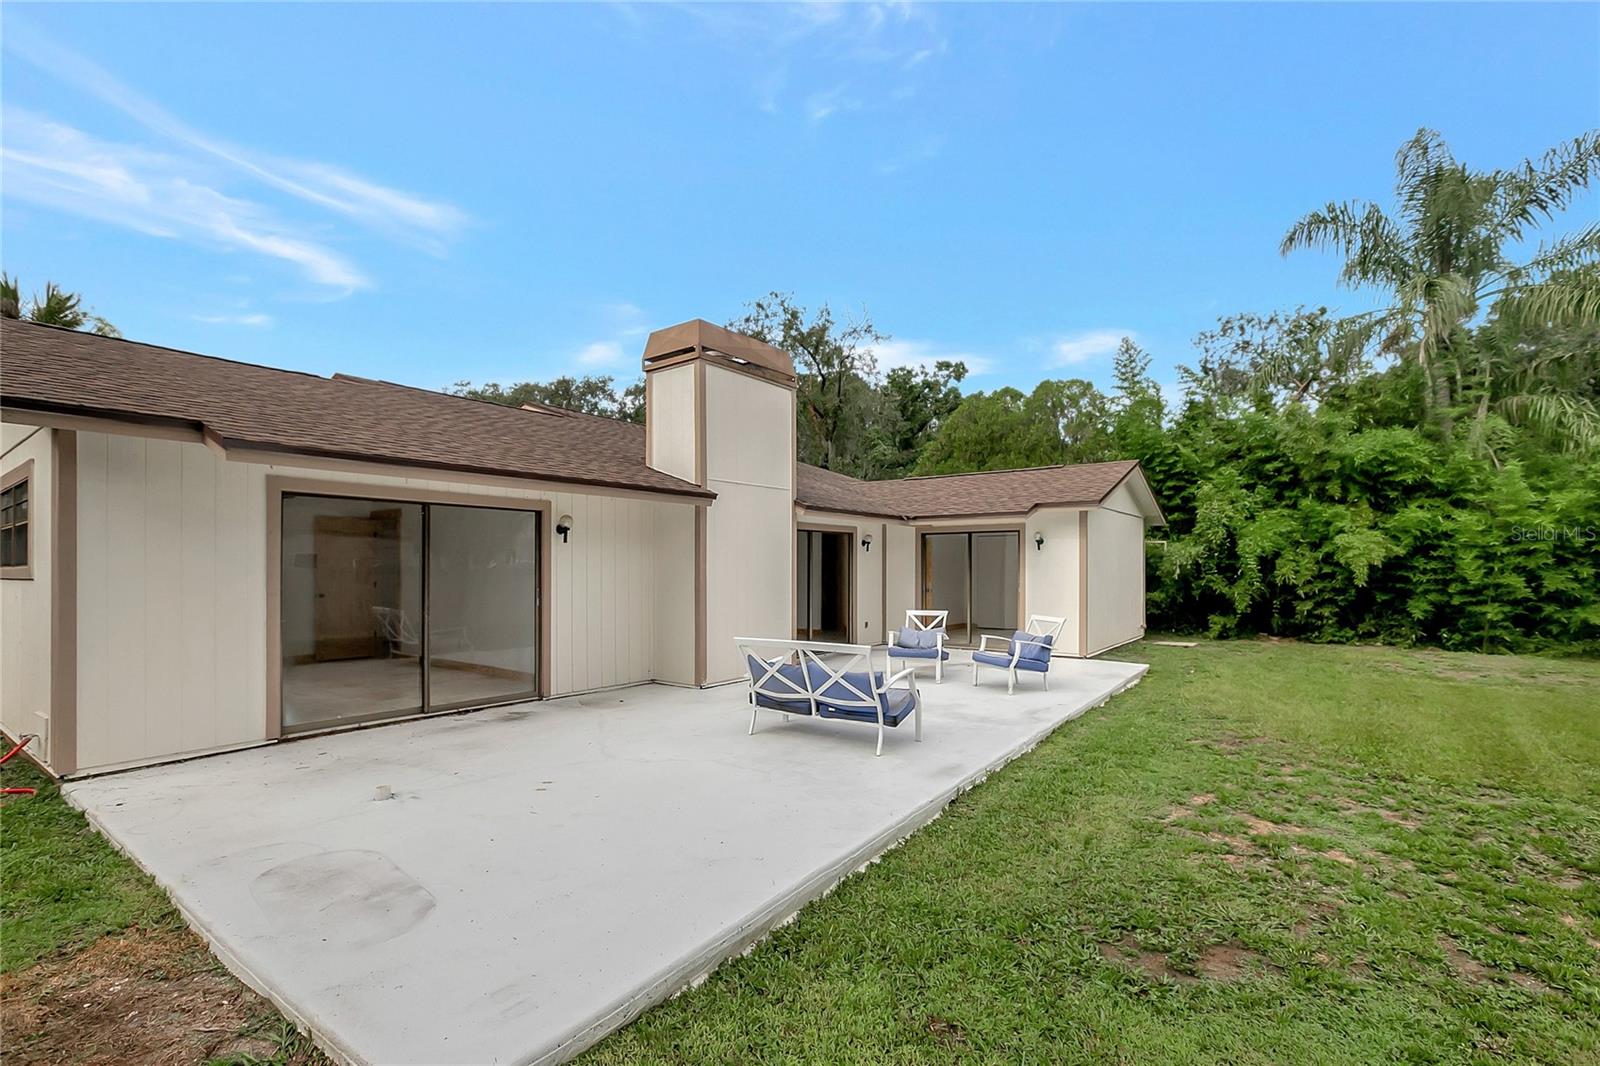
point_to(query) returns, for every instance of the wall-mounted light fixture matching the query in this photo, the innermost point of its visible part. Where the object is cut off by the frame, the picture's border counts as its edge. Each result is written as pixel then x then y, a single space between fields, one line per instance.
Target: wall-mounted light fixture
pixel 866 542
pixel 1038 542
pixel 564 526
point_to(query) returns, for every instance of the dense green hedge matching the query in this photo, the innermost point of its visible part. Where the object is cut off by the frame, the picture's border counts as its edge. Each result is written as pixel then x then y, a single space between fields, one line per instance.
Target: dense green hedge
pixel 1314 525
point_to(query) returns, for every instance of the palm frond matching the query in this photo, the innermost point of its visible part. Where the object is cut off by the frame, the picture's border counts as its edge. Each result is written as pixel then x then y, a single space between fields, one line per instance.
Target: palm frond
pixel 1572 421
pixel 1538 190
pixel 1571 298
pixel 1372 244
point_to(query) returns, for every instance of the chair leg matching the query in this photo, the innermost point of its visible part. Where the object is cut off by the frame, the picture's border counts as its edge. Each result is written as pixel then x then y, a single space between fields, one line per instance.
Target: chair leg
pixel 1011 682
pixel 880 738
pixel 938 671
pixel 919 721
pixel 1046 676
pixel 753 710
pixel 974 675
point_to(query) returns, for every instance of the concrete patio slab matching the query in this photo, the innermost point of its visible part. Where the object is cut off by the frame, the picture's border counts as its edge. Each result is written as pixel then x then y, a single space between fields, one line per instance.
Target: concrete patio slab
pixel 544 872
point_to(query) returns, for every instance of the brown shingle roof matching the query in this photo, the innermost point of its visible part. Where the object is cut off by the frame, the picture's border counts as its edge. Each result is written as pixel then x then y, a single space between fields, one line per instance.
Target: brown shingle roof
pixel 244 405
pixel 961 495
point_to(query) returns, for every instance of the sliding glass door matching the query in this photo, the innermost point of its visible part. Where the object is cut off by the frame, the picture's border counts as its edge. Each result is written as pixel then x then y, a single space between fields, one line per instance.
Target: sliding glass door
pixel 392 608
pixel 975 577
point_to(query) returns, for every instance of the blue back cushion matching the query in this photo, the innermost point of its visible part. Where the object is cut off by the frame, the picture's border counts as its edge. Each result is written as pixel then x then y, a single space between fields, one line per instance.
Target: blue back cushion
pixel 789 683
pixel 917 638
pixel 837 692
pixel 1037 652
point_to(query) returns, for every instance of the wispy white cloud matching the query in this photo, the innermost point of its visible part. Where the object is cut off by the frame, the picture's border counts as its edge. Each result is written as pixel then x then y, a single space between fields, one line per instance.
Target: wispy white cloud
pixel 821 106
pixel 898 352
pixel 58 166
pixel 254 319
pixel 392 211
pixel 600 354
pixel 928 148
pixel 820 59
pixel 626 319
pixel 1087 346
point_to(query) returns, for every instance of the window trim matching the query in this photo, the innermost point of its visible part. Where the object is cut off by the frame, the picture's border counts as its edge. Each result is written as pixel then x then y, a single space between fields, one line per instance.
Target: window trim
pixel 19 474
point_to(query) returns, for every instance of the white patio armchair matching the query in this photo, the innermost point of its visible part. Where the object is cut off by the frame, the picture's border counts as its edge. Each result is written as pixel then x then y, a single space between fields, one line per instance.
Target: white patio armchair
pixel 808 677
pixel 922 639
pixel 1027 650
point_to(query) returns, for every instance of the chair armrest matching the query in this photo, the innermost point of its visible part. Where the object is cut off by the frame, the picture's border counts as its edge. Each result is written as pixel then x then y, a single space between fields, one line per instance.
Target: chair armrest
pixel 910 671
pixel 983 641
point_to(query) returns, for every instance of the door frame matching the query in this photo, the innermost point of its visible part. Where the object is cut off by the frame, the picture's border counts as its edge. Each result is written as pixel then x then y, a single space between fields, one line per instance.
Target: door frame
pixel 849 535
pixel 277 487
pixel 923 590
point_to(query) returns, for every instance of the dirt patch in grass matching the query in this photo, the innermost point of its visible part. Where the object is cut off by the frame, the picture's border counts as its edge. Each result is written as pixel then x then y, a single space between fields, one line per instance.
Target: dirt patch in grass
pixel 1230 962
pixel 1571 922
pixel 1465 966
pixel 1223 963
pixel 1262 827
pixel 1127 952
pixel 1472 971
pixel 144 996
pixel 946 1031
pixel 1218 962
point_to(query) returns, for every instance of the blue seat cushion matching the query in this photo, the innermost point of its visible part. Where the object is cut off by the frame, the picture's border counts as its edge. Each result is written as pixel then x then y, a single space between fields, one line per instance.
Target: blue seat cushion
pixel 897 707
pixel 843 698
pixel 1002 659
pixel 899 652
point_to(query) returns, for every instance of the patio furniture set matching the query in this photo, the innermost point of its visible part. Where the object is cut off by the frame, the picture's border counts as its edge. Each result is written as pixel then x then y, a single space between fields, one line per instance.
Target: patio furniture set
pixel 829 680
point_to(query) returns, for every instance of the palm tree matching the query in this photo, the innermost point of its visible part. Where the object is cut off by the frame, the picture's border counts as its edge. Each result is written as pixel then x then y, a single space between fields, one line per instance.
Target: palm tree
pixel 1444 259
pixel 57 308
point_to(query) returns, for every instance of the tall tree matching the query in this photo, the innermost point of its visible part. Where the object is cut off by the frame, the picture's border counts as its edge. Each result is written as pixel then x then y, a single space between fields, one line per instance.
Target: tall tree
pixel 592 395
pixel 836 399
pixel 57 307
pixel 1445 257
pixel 913 404
pixel 1272 361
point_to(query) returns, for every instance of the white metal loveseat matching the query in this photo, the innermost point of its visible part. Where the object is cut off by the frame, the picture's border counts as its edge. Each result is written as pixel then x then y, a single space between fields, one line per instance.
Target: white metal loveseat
pixel 922 640
pixel 808 677
pixel 1027 650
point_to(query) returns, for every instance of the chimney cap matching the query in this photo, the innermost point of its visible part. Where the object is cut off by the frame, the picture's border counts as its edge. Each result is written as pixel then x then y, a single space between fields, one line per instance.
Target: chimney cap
pixel 699 339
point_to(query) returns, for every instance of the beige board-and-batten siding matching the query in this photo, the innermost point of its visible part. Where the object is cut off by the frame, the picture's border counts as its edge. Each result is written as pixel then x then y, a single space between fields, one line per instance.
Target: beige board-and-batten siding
pixel 173 610
pixel 25 604
pixel 749 463
pixel 1116 572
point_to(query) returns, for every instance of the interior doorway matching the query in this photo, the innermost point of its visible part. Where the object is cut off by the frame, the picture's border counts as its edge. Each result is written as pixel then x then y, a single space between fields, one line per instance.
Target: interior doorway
pixel 976 577
pixel 822 585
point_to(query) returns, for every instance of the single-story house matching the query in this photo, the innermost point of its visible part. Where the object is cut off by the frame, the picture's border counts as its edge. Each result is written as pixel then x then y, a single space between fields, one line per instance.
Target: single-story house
pixel 200 555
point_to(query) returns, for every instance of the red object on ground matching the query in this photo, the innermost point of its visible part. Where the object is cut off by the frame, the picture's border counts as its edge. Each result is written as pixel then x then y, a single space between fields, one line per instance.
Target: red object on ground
pixel 7 758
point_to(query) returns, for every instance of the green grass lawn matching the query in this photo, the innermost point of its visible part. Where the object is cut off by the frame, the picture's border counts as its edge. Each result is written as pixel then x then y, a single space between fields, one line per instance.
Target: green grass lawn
pixel 1264 853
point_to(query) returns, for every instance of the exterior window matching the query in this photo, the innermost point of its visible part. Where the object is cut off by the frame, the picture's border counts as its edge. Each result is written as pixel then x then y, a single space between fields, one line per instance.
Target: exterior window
pixel 16 525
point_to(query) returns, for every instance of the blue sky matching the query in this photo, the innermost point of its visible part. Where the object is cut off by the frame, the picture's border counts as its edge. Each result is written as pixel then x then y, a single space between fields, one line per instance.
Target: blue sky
pixel 427 194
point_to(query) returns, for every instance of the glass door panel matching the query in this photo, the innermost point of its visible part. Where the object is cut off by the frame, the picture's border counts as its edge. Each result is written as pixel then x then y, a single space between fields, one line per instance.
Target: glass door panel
pixel 483 605
pixel 946 581
pixel 994 585
pixel 351 610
